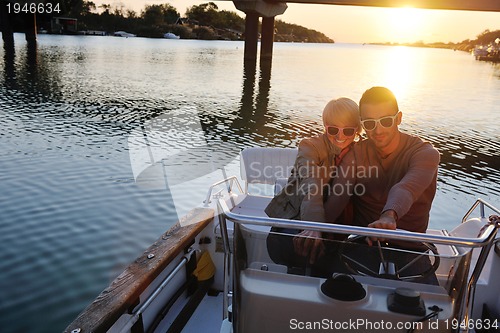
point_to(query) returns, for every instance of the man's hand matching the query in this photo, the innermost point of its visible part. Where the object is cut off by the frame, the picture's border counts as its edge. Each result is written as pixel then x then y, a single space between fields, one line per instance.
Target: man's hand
pixel 309 243
pixel 386 221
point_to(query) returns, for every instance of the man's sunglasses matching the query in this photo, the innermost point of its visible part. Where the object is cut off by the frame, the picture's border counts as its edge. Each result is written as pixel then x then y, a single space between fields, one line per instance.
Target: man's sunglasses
pixel 370 124
pixel 334 130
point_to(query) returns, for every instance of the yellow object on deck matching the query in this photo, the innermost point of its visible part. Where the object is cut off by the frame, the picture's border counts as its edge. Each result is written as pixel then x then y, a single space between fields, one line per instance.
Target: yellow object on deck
pixel 205 267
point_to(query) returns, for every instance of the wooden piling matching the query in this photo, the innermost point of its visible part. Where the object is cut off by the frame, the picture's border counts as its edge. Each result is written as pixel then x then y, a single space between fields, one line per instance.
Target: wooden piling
pixel 267 38
pixel 6 25
pixel 30 28
pixel 251 36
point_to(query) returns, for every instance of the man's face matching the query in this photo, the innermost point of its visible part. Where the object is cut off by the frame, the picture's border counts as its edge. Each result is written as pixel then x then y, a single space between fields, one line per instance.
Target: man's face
pixel 382 137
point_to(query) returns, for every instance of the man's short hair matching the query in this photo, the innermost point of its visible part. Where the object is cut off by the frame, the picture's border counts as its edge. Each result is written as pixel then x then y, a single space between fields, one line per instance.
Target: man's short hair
pixel 376 95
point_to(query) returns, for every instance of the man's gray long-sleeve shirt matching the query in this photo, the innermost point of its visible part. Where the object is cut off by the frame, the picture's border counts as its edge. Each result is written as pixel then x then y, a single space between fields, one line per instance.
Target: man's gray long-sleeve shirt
pixel 405 181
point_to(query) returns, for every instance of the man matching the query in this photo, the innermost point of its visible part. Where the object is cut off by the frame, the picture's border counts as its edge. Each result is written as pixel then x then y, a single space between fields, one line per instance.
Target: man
pixel 390 178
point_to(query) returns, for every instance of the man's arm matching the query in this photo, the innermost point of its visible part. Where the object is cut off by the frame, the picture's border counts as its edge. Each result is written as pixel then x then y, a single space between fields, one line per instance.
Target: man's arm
pixel 422 170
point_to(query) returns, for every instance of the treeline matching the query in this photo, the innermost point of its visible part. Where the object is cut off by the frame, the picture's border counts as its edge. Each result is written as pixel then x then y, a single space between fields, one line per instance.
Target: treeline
pixel 487 37
pixel 203 21
pixel 287 32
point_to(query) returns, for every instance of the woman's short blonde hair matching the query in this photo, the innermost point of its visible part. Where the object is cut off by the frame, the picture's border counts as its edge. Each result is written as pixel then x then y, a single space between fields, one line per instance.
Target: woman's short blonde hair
pixel 343 109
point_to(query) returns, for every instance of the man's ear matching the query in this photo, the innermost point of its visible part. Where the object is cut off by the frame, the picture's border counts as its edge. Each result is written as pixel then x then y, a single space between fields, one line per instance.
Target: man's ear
pixel 399 118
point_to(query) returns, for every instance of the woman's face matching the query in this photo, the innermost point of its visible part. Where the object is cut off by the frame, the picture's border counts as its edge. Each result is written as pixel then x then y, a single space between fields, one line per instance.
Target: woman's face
pixel 341 133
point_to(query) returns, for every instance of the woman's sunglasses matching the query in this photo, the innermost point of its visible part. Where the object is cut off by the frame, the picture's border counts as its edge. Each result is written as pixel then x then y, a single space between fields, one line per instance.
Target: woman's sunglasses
pixel 334 130
pixel 370 124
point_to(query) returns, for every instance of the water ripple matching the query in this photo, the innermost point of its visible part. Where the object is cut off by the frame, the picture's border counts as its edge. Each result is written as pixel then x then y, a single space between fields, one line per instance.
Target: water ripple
pixel 72 214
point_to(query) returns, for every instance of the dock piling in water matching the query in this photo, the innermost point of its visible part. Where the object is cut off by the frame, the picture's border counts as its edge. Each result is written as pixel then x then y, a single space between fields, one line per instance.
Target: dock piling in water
pixel 6 24
pixel 30 28
pixel 251 35
pixel 253 10
pixel 267 39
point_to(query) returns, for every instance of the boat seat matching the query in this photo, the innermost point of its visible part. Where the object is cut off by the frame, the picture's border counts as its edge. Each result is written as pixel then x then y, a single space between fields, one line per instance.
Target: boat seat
pixel 260 165
pixel 251 205
pixel 470 228
pixel 264 166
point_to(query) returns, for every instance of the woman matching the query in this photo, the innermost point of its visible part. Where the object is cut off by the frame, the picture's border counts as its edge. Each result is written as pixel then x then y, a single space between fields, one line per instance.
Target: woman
pixel 302 197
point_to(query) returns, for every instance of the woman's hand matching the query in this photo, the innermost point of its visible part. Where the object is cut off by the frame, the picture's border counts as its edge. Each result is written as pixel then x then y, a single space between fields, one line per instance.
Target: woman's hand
pixel 308 243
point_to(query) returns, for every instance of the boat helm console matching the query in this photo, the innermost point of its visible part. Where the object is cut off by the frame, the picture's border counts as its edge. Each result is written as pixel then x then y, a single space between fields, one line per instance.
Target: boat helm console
pixel 267 297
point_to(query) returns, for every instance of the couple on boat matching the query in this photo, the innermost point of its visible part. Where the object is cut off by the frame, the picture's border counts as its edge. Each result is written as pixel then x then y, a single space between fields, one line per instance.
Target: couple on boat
pixel 387 180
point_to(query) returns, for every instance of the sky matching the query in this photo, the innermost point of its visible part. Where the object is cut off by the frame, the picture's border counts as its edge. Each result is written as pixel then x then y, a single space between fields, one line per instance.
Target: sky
pixel 350 24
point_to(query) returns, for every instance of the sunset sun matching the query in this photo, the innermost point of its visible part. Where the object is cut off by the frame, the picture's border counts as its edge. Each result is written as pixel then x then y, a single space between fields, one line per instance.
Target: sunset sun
pixel 406 23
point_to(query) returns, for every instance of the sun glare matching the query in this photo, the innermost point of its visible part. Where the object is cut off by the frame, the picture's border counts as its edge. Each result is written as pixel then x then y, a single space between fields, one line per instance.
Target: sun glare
pixel 406 24
pixel 400 70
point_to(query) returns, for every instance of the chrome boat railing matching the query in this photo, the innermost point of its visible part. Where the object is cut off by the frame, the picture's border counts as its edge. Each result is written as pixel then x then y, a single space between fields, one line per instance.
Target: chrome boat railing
pixel 362 231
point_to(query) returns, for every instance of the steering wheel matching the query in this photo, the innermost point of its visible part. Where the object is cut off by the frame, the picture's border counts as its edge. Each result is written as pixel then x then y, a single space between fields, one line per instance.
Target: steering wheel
pixel 393 263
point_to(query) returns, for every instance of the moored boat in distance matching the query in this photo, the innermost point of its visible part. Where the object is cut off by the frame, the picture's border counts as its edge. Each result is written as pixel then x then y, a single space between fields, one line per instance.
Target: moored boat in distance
pixel 171 35
pixel 489 52
pixel 123 34
pixel 480 51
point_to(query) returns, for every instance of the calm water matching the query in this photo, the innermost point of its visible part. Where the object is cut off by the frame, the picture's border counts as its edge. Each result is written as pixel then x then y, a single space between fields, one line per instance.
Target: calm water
pixel 72 215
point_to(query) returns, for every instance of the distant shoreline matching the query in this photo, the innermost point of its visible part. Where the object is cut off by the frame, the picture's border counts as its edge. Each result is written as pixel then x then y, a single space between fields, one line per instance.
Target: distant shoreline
pixel 438 45
pixel 487 37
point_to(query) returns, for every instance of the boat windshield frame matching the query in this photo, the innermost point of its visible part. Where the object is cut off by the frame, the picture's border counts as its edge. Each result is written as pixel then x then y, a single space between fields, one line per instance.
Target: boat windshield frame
pixel 482 240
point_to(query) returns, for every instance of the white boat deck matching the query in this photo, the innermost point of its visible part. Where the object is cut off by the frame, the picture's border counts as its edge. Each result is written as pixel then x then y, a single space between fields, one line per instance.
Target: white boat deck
pixel 208 316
